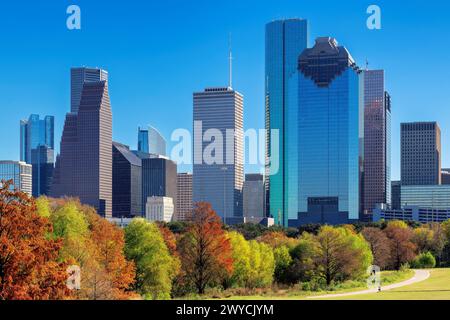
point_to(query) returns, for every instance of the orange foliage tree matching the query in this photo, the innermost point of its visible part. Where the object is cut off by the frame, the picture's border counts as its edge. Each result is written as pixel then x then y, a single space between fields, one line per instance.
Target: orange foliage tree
pixel 108 275
pixel 205 249
pixel 29 269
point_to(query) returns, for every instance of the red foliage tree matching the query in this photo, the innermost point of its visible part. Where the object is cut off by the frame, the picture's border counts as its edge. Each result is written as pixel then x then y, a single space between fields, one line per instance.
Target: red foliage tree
pixel 29 269
pixel 205 249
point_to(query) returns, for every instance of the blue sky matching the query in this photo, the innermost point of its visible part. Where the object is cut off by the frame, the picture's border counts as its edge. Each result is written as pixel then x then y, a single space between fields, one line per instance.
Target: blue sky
pixel 159 52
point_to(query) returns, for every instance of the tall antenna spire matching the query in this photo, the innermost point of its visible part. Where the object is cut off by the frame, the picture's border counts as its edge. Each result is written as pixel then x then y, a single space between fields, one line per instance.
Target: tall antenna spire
pixel 230 79
pixel 367 65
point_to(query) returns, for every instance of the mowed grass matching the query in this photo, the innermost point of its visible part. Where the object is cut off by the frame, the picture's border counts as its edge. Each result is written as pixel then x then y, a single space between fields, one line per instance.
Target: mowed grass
pixel 437 287
pixel 388 277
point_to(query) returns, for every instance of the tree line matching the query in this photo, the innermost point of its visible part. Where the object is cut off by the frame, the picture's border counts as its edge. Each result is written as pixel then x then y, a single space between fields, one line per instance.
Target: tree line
pixel 41 238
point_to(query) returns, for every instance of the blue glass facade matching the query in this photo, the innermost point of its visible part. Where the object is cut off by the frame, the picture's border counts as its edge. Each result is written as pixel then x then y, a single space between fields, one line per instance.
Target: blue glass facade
pixel 37 148
pixel 324 132
pixel 285 41
pixel 151 141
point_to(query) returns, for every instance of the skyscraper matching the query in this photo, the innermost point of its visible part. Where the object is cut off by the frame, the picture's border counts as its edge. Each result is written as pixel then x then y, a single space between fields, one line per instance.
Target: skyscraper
pixel 84 166
pixel 151 141
pixel 37 148
pixel 78 77
pixel 253 196
pixel 218 150
pixel 325 135
pixel 377 142
pixel 159 177
pixel 42 160
pixel 19 172
pixel 127 183
pixel 420 153
pixel 184 204
pixel 285 41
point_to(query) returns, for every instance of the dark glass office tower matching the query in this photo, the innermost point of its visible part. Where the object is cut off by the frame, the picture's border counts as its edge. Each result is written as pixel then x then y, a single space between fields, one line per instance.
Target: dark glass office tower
pixel 84 166
pixel 79 76
pixel 159 177
pixel 42 159
pixel 285 41
pixel 37 148
pixel 325 134
pixel 127 183
pixel 421 153
pixel 377 143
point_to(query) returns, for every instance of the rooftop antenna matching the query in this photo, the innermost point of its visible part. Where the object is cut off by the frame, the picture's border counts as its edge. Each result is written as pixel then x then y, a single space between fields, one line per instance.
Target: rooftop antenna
pixel 230 79
pixel 367 65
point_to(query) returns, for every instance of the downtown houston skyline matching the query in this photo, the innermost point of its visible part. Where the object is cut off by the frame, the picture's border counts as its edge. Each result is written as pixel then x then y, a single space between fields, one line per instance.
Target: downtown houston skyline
pixel 147 66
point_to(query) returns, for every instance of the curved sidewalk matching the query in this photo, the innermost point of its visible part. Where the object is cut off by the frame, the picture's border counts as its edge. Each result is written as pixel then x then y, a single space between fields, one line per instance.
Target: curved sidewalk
pixel 419 276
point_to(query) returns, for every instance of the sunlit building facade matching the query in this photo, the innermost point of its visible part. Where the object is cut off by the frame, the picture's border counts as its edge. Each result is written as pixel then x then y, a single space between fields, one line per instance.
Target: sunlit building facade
pixel 325 133
pixel 19 172
pixel 377 143
pixel 285 41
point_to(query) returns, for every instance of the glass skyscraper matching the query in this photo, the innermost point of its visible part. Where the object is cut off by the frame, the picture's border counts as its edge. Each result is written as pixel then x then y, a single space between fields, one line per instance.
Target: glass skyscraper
pixel 37 148
pixel 285 41
pixel 151 141
pixel 324 134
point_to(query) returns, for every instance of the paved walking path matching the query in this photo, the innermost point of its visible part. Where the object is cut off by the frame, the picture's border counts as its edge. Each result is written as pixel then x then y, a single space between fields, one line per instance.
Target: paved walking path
pixel 419 276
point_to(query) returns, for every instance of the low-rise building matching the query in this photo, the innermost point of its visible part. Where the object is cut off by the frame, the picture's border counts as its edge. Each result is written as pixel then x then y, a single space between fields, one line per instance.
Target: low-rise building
pixel 159 209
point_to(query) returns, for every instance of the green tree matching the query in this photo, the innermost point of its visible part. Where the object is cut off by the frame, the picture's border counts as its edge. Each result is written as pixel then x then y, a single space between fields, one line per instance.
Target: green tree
pixel 70 224
pixel 341 254
pixel 155 267
pixel 241 259
pixel 262 265
pixel 283 261
pixel 424 260
pixel 43 206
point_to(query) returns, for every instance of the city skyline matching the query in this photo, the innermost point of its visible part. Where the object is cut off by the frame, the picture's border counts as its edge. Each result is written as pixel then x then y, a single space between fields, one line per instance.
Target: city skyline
pixel 50 95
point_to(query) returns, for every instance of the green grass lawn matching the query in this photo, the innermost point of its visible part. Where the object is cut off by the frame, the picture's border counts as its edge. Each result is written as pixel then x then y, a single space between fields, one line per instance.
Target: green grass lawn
pixel 388 277
pixel 437 287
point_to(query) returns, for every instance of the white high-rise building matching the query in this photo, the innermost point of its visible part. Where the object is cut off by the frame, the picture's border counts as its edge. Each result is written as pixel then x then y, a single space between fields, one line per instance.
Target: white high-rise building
pixel 159 209
pixel 19 172
pixel 219 151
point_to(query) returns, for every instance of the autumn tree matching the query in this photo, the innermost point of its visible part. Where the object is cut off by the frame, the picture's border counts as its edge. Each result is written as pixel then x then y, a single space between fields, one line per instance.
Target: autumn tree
pixel 277 239
pixel 96 246
pixel 110 246
pixel 29 269
pixel 379 245
pixel 205 249
pixel 403 250
pixel 155 267
pixel 341 254
pixel 423 238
